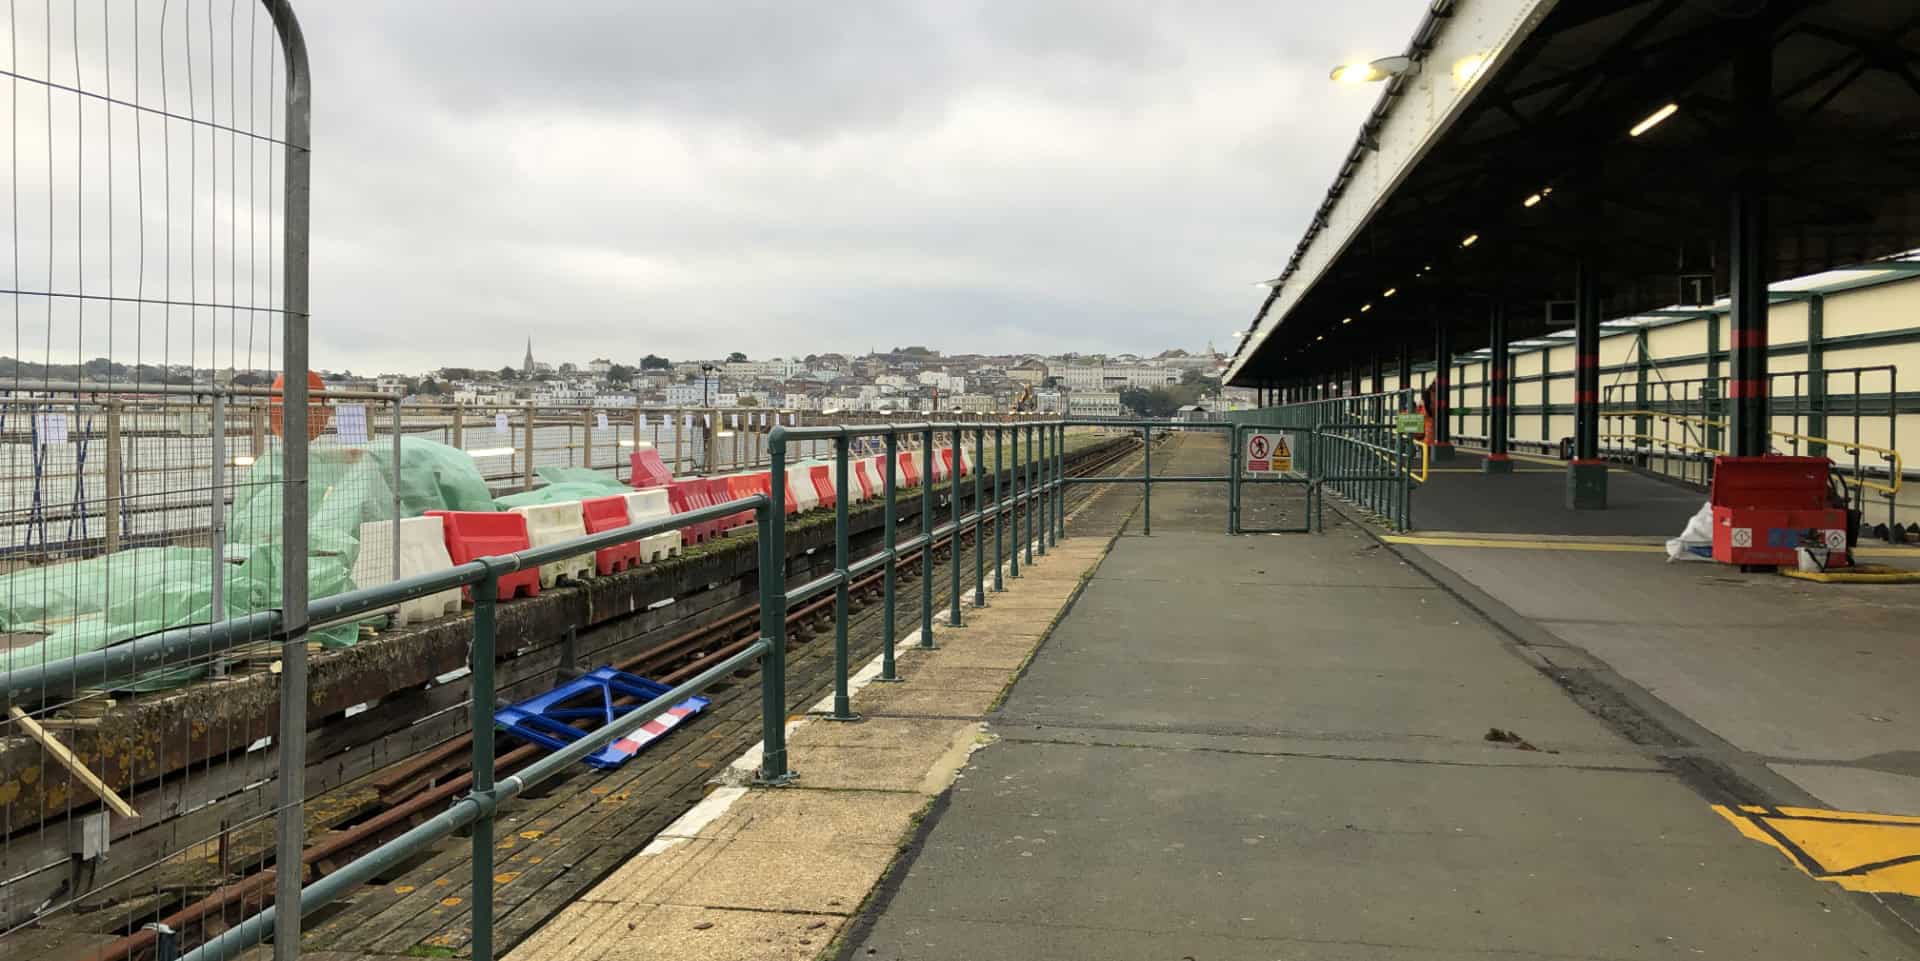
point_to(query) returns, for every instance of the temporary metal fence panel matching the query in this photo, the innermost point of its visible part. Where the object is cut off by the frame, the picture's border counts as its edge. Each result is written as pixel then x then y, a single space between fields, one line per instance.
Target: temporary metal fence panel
pixel 155 478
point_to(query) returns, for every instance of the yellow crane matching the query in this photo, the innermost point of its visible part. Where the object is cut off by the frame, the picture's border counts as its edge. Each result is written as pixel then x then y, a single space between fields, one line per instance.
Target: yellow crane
pixel 1025 402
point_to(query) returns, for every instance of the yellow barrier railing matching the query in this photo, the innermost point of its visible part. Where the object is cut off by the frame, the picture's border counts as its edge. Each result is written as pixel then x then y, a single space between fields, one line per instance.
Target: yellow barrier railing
pixel 1895 466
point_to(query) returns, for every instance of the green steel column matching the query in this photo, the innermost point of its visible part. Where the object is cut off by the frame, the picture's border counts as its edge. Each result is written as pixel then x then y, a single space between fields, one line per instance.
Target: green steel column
pixel 979 515
pixel 1816 393
pixel 926 545
pixel 887 671
pixel 1642 393
pixel 1014 480
pixel 953 508
pixel 486 595
pixel 1146 497
pixel 999 509
pixel 842 699
pixel 773 616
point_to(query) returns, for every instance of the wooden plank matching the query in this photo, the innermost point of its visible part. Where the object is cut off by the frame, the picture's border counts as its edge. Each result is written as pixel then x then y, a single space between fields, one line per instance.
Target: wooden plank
pixel 73 765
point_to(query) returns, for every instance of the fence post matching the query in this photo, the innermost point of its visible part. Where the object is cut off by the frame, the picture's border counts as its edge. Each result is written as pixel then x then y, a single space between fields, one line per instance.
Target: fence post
pixel 680 423
pixel 459 429
pixel 217 513
pixel 1044 467
pixel 842 700
pixel 1060 483
pixel 486 597
pixel 890 569
pixel 979 514
pixel 1146 498
pixel 953 509
pixel 394 521
pixel 926 543
pixel 1025 518
pixel 290 829
pixel 114 494
pixel 773 617
pixel 586 438
pixel 257 434
pixel 999 516
pixel 1016 480
pixel 526 439
pixel 1233 479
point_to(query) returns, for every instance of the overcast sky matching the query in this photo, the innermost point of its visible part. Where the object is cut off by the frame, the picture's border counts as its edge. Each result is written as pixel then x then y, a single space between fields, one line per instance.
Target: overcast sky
pixel 690 177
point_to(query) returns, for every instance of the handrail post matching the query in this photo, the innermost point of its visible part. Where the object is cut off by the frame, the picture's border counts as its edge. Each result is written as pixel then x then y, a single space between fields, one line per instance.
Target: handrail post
pixel 953 508
pixel 999 508
pixel 1045 467
pixel 1026 517
pixel 979 514
pixel 1146 497
pixel 1060 482
pixel 842 700
pixel 889 570
pixel 773 616
pixel 926 540
pixel 486 598
pixel 1015 480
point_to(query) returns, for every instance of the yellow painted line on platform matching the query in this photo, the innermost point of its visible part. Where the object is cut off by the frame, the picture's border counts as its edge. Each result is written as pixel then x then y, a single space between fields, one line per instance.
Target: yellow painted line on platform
pixel 1522 545
pixel 1857 851
pixel 1476 470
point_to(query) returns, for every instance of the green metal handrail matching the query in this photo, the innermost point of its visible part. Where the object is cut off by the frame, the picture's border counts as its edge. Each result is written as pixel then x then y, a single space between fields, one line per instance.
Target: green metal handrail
pixel 1029 498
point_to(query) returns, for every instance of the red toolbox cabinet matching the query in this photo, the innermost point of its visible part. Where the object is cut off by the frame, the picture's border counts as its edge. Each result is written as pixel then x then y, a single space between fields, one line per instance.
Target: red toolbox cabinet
pixel 1765 507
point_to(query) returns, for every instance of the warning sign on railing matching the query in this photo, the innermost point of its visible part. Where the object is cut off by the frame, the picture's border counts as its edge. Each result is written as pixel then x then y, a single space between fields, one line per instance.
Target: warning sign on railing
pixel 1268 453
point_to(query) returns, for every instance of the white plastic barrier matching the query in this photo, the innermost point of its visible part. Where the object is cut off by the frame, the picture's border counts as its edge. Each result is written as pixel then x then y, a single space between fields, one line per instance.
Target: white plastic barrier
pixel 423 549
pixel 551 524
pixel 854 494
pixel 800 482
pixel 939 465
pixel 645 506
pixel 966 463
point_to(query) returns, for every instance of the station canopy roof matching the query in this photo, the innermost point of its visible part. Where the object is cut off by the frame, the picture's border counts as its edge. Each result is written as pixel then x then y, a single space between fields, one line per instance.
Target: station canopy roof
pixel 1530 135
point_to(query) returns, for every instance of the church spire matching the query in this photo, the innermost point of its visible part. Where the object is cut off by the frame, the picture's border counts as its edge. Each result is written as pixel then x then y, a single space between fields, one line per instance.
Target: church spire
pixel 526 366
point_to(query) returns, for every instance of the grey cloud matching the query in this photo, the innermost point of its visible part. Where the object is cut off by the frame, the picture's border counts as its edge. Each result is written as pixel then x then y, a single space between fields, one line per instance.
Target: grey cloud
pixel 692 178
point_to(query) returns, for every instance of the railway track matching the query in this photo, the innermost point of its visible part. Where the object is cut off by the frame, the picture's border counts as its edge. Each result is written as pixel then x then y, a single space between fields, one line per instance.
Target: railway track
pixel 428 782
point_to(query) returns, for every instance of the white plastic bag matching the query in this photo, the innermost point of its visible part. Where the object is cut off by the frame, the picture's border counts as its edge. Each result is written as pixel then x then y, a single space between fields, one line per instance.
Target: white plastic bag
pixel 1696 542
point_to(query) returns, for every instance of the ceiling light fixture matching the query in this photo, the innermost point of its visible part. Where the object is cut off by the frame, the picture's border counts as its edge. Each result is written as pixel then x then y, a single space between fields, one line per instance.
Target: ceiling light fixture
pixel 1369 72
pixel 1469 240
pixel 1653 119
pixel 1390 291
pixel 1467 68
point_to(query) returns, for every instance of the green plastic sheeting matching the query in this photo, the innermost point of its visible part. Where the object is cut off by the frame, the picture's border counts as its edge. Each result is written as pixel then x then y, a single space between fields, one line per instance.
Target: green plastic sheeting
pixel 434 477
pixel 565 484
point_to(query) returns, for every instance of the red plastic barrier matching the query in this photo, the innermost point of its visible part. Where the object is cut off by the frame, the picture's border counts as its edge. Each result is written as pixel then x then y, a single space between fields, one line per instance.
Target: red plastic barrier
pixel 862 475
pixel 909 473
pixel 690 495
pixel 606 514
pixel 648 469
pixel 744 485
pixel 823 484
pixel 720 491
pixel 880 476
pixel 471 535
pixel 946 457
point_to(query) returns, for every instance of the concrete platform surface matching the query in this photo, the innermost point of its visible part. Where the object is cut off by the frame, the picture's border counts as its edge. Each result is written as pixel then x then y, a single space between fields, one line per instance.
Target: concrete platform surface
pixel 1276 747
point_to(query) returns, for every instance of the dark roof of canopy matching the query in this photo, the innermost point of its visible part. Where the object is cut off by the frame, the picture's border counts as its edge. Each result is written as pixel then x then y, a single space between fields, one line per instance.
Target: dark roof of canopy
pixel 1555 114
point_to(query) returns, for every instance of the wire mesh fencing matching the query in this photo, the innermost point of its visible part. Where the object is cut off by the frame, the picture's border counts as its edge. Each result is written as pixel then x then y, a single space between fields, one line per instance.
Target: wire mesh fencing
pixel 156 291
